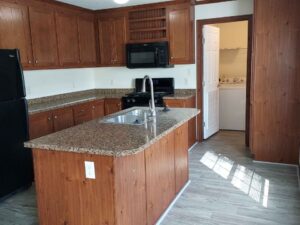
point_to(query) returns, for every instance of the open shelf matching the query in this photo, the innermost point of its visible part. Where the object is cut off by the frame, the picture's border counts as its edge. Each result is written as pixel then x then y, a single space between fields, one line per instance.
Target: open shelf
pixel 147 25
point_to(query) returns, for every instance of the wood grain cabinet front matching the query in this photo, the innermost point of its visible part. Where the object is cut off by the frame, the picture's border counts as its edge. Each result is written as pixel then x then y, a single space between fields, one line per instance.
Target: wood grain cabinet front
pixel 63 118
pixel 87 41
pixel 82 113
pixel 98 109
pixel 40 124
pixel 67 38
pixel 112 40
pixel 181 34
pixel 43 34
pixel 185 103
pixel 15 30
pixel 112 105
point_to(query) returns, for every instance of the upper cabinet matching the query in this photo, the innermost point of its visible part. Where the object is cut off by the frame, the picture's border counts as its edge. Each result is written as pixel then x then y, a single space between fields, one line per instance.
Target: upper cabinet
pixel 87 41
pixel 15 30
pixel 181 34
pixel 43 33
pixel 112 38
pixel 67 38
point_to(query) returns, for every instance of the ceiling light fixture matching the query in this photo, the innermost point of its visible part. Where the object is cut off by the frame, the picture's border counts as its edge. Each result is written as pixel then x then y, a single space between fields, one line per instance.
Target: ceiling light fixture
pixel 121 1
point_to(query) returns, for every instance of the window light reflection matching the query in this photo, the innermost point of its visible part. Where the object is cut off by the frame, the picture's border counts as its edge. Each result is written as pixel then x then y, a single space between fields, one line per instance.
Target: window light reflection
pixel 246 180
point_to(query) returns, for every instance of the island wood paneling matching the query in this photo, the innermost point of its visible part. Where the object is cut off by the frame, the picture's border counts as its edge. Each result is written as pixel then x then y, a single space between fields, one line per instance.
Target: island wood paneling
pixel 160 177
pixel 276 81
pixel 65 196
pixel 130 189
pixel 181 157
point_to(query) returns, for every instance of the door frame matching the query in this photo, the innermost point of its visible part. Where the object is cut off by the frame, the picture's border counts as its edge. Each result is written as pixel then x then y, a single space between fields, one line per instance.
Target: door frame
pixel 199 65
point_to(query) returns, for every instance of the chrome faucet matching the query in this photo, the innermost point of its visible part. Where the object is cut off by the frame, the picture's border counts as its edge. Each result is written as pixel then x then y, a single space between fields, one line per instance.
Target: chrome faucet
pixel 151 103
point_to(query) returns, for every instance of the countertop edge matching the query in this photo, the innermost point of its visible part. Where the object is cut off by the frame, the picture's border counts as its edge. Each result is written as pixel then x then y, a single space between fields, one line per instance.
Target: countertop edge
pixel 102 152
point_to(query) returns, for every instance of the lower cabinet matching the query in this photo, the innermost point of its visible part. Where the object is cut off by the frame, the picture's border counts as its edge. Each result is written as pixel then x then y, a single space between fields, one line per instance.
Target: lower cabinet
pixel 63 119
pixel 112 105
pixel 98 110
pixel 40 124
pixel 185 103
pixel 82 113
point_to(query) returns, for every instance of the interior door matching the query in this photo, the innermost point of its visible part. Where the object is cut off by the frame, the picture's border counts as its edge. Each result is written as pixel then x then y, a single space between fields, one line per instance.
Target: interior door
pixel 211 39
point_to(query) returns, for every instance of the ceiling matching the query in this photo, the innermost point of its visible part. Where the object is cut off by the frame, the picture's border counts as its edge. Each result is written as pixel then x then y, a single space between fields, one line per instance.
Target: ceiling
pixel 106 4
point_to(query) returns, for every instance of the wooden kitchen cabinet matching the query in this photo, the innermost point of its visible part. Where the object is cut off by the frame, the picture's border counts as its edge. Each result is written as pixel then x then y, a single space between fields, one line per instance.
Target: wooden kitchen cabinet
pixel 112 105
pixel 15 30
pixel 98 109
pixel 112 40
pixel 43 34
pixel 82 113
pixel 87 41
pixel 62 119
pixel 181 33
pixel 40 124
pixel 67 38
pixel 185 103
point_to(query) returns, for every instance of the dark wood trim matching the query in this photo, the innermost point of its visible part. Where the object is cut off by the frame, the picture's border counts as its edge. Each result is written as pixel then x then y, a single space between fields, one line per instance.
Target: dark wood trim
pixel 200 24
pixel 200 2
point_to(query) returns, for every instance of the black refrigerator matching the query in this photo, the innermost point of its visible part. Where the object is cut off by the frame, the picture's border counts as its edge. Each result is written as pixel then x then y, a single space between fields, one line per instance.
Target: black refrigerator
pixel 16 169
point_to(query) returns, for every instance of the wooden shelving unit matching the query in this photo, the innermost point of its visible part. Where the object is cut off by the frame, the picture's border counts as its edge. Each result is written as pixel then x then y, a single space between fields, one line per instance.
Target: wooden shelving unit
pixel 147 25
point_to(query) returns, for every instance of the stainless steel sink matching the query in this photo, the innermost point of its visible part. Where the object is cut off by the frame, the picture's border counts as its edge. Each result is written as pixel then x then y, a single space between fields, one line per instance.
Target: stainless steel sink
pixel 133 117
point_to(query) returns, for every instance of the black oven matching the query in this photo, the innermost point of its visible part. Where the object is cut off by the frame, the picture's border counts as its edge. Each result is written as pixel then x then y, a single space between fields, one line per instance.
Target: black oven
pixel 148 55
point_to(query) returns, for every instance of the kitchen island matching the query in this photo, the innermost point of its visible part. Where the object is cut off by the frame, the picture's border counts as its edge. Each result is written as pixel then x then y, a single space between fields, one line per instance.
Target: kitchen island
pixel 112 173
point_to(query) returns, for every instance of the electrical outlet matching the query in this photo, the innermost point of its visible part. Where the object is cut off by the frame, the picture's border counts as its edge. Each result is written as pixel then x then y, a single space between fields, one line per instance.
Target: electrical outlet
pixel 89 170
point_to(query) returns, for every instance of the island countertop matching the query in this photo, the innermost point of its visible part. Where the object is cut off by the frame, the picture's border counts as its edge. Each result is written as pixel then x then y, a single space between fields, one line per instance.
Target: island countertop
pixel 96 137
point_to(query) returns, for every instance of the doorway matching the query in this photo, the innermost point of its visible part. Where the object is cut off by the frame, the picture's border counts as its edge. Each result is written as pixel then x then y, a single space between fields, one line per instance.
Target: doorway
pixel 208 53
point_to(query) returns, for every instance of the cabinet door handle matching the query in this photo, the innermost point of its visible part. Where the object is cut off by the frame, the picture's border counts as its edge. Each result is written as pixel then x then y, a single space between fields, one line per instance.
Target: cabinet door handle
pixel 49 118
pixel 29 61
pixel 82 110
pixel 94 107
pixel 55 117
pixel 36 62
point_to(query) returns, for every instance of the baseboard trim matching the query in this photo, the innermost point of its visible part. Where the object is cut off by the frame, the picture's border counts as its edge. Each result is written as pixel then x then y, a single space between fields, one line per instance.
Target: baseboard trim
pixel 163 216
pixel 273 163
pixel 191 148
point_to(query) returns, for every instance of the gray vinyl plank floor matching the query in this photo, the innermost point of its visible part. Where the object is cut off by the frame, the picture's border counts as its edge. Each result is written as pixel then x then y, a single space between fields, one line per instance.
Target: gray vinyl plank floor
pixel 226 188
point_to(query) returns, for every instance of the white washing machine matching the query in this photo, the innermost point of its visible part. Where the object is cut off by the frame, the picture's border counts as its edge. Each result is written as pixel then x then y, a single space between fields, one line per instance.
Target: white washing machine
pixel 232 106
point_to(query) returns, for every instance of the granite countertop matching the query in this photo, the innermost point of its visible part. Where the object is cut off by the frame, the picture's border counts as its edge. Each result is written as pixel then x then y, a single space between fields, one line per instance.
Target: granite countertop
pixel 69 101
pixel 96 137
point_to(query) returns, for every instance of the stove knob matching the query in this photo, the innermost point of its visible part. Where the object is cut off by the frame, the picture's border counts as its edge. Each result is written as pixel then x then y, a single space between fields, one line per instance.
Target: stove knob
pixel 133 100
pixel 127 100
pixel 155 101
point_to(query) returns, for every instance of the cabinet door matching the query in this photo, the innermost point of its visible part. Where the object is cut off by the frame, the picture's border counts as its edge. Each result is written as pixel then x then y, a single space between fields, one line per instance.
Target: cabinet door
pixel 98 109
pixel 106 28
pixel 175 103
pixel 112 106
pixel 62 119
pixel 87 41
pixel 82 113
pixel 43 33
pixel 180 31
pixel 67 39
pixel 119 41
pixel 181 157
pixel 14 30
pixel 40 124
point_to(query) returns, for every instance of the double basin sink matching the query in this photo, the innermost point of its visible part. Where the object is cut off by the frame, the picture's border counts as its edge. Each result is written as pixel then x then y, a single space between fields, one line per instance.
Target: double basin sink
pixel 133 117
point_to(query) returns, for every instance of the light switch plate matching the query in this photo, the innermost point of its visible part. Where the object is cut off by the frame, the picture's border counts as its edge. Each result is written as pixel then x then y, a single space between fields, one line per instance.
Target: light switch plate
pixel 89 170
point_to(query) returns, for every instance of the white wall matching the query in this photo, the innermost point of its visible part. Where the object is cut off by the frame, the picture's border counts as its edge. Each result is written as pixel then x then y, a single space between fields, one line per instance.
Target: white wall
pixel 121 77
pixel 50 82
pixel 40 83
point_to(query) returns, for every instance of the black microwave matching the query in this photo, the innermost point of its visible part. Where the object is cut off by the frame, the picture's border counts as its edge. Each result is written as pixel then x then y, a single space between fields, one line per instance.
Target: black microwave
pixel 148 55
